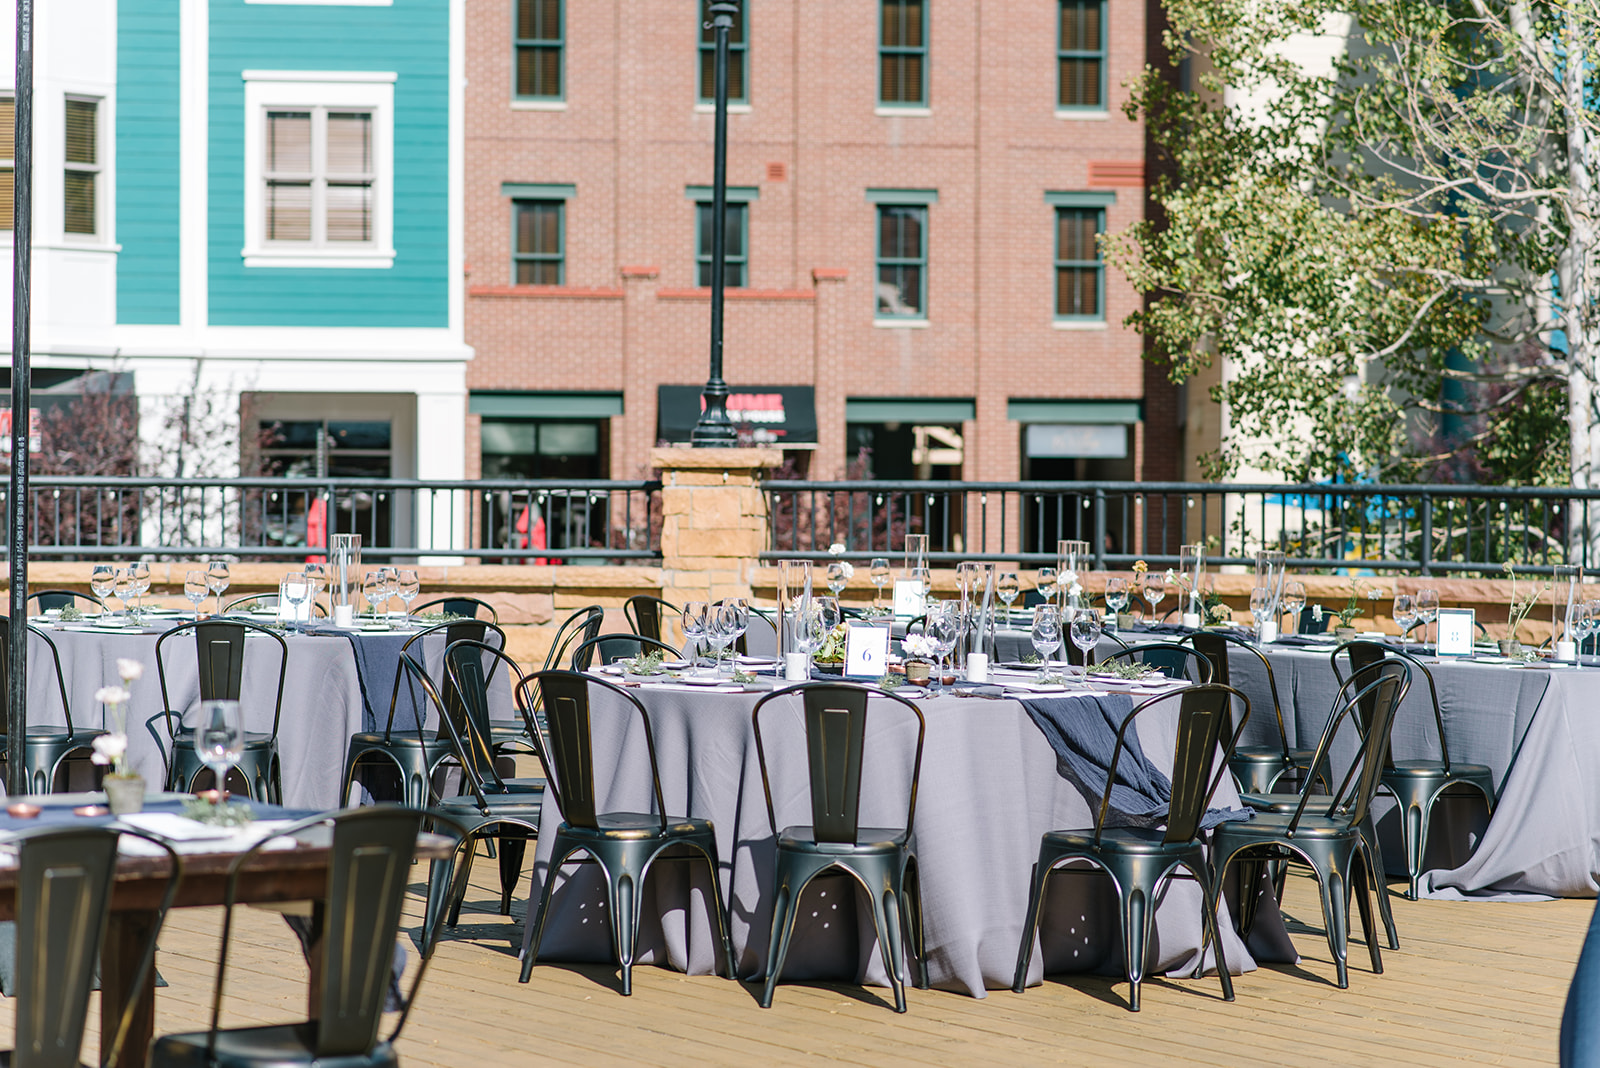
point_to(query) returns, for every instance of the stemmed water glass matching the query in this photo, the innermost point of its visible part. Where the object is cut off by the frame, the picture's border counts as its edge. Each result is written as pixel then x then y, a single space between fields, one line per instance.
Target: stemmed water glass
pixel 407 587
pixel 1045 582
pixel 880 574
pixel 923 577
pixel 1293 602
pixel 1260 607
pixel 139 573
pixel 1404 614
pixel 373 588
pixel 1116 600
pixel 1427 609
pixel 103 581
pixel 1582 627
pixel 739 609
pixel 692 621
pixel 837 580
pixel 219 739
pixel 944 627
pixel 1007 585
pixel 719 632
pixel 317 577
pixel 1085 633
pixel 391 585
pixel 1153 589
pixel 194 589
pixel 1046 634
pixel 217 580
pixel 296 590
pixel 126 585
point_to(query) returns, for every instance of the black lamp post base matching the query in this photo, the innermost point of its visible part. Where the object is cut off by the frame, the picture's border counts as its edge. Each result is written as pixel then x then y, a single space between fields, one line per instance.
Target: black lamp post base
pixel 714 435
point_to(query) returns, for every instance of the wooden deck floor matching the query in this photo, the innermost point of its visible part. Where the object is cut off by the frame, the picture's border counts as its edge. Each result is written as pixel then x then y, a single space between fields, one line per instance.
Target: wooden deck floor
pixel 1480 982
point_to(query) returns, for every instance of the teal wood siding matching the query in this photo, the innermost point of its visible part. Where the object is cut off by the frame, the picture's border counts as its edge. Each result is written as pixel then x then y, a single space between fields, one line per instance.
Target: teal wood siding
pixel 410 38
pixel 147 161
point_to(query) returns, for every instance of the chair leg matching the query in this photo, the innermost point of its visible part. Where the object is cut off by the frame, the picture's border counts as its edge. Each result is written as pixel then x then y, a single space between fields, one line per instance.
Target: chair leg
pixel 911 908
pixel 1335 916
pixel 1249 893
pixel 557 858
pixel 1380 884
pixel 1135 938
pixel 1209 895
pixel 439 886
pixel 453 903
pixel 1414 830
pixel 512 851
pixel 624 923
pixel 783 917
pixel 886 917
pixel 1030 924
pixel 1361 876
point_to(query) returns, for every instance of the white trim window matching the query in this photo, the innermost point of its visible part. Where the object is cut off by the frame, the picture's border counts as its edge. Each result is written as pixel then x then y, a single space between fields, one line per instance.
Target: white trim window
pixel 319 169
pixel 81 216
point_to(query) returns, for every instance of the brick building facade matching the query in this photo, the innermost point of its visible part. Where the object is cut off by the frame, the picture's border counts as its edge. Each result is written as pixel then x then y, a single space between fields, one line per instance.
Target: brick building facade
pixel 914 186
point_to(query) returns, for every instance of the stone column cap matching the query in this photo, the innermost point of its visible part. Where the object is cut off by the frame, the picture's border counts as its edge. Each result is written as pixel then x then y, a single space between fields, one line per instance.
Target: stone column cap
pixel 685 458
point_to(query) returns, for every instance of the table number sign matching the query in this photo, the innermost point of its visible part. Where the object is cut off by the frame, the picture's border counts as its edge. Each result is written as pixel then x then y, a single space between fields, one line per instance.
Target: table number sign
pixel 909 601
pixel 866 651
pixel 1455 631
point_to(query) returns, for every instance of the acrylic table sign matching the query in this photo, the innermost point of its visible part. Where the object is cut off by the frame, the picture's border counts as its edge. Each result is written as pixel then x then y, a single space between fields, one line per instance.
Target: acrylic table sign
pixel 1455 631
pixel 866 651
pixel 909 598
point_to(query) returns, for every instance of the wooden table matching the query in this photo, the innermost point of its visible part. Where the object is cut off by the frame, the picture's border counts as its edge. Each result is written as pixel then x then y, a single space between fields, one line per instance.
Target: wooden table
pixel 275 876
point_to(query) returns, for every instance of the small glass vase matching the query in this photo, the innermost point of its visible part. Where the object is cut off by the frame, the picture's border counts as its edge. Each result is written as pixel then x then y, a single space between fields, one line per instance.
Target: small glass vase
pixel 124 794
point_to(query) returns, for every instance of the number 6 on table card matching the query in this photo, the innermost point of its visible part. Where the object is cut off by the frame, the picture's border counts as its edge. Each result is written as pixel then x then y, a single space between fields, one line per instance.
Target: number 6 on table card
pixel 866 651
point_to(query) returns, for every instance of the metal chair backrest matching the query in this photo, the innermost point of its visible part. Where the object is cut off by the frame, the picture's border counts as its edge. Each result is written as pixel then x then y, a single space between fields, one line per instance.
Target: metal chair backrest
pixel 1363 651
pixel 1215 647
pixel 835 717
pixel 468 679
pixel 64 881
pixel 460 605
pixel 580 626
pixel 219 653
pixel 262 601
pixel 455 630
pixel 1173 661
pixel 49 599
pixel 55 659
pixel 568 752
pixel 613 647
pixel 644 611
pixel 1205 726
pixel 1364 657
pixel 369 867
pixel 1386 686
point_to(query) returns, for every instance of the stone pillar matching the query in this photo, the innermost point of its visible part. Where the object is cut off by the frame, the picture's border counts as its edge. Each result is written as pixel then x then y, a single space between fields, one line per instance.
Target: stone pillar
pixel 714 520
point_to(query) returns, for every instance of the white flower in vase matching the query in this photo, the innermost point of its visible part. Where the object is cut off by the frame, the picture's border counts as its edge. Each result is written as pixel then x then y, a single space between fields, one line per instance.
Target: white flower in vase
pixel 129 670
pixel 111 695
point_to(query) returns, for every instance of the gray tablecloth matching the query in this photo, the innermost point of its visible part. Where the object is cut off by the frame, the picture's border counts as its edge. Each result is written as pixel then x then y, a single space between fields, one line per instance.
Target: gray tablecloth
pixel 322 703
pixel 989 789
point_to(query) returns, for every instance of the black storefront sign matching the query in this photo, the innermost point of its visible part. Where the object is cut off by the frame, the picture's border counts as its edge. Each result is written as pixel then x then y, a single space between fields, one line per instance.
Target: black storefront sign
pixel 763 415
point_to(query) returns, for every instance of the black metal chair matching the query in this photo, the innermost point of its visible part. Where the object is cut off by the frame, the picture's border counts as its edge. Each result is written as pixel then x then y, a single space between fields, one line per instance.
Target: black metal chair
pixel 45 747
pixel 613 647
pixel 414 755
pixel 1417 784
pixel 65 876
pixel 459 605
pixel 623 844
pixel 219 649
pixel 1140 859
pixel 44 600
pixel 882 859
pixel 645 612
pixel 489 804
pixel 762 624
pixel 1171 660
pixel 1332 841
pixel 1256 768
pixel 368 869
pixel 580 626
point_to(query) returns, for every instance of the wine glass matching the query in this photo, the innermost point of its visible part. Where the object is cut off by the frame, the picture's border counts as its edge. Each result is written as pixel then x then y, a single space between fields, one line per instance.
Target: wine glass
pixel 836 577
pixel 126 585
pixel 194 589
pixel 296 590
pixel 407 587
pixel 1085 633
pixel 808 631
pixel 1153 589
pixel 1427 609
pixel 317 575
pixel 880 574
pixel 1583 625
pixel 372 588
pixel 1046 634
pixel 103 581
pixel 1260 607
pixel 219 739
pixel 391 584
pixel 1045 582
pixel 1007 586
pixel 1404 613
pixel 831 615
pixel 923 577
pixel 944 627
pixel 1116 599
pixel 740 609
pixel 1293 602
pixel 217 580
pixel 692 620
pixel 139 573
pixel 719 632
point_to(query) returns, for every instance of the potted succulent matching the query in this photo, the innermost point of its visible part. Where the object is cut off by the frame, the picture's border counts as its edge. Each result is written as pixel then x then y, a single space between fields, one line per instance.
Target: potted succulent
pixel 124 787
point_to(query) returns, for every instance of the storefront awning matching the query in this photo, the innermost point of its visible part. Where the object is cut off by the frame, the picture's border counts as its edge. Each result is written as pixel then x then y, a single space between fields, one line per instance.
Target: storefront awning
pixel 768 415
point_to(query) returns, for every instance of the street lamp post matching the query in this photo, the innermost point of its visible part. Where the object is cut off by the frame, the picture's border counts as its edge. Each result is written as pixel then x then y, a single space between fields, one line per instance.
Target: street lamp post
pixel 715 429
pixel 16 653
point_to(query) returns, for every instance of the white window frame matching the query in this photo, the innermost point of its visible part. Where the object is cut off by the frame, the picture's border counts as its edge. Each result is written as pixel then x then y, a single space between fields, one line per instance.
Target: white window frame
pixel 371 91
pixel 97 169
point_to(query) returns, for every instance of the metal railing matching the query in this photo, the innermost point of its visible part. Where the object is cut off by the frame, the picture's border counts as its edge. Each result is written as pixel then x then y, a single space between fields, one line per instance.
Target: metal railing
pixel 495 521
pixel 1429 529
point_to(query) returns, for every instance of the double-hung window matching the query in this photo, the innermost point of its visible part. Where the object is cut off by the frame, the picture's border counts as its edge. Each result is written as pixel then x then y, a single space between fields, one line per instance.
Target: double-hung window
pixel 1081 55
pixel 82 171
pixel 540 49
pixel 902 276
pixel 319 177
pixel 738 56
pixel 736 244
pixel 903 53
pixel 539 257
pixel 1080 272
pixel 8 128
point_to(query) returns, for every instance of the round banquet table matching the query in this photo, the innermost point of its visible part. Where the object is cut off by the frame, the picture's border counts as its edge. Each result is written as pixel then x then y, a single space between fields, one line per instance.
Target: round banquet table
pixel 989 789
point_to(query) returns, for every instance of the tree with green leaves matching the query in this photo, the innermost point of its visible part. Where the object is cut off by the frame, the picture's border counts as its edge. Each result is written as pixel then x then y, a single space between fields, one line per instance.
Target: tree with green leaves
pixel 1393 252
